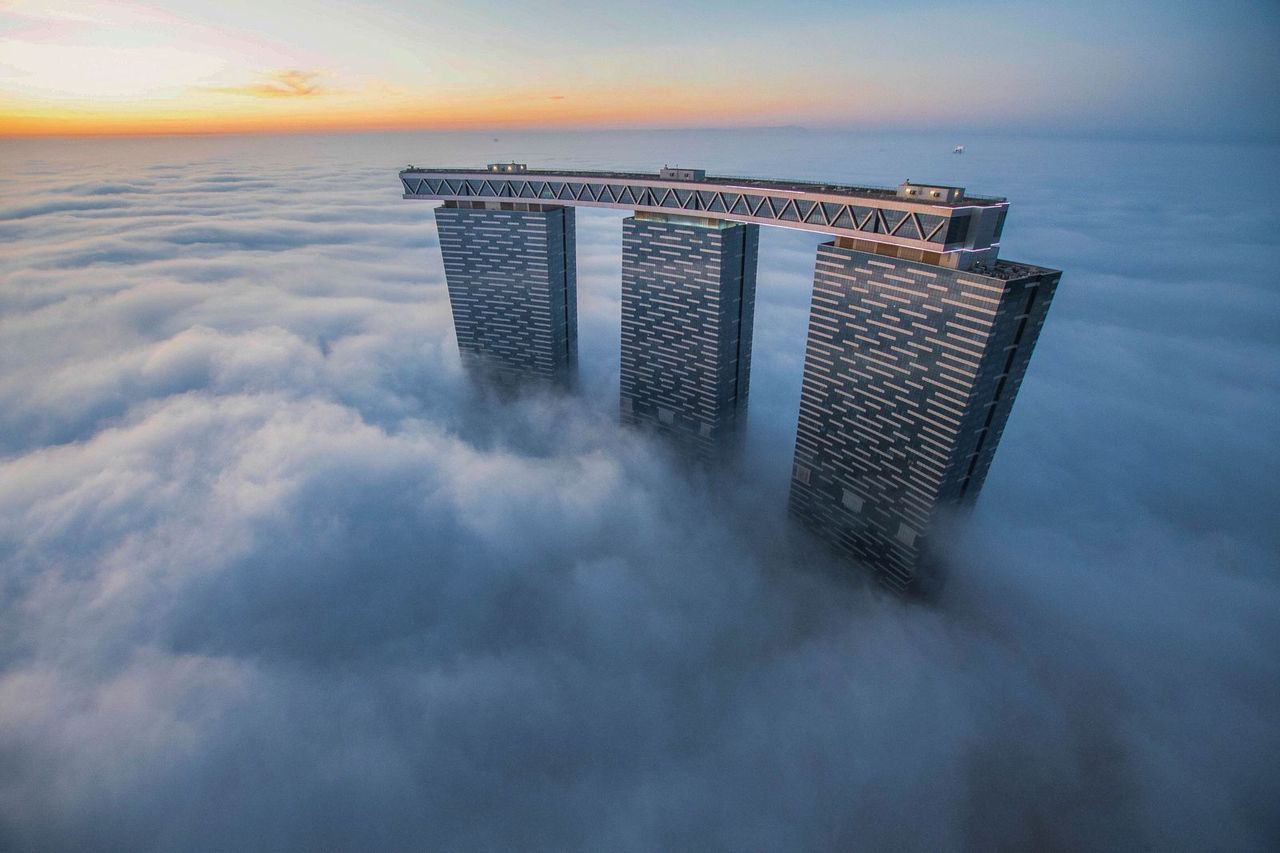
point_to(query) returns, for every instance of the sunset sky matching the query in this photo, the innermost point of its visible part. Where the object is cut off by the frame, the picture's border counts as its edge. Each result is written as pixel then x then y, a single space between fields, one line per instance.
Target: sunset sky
pixel 1126 67
pixel 279 571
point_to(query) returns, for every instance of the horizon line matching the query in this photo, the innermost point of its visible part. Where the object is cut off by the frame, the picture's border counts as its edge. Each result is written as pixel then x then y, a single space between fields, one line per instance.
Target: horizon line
pixel 1132 134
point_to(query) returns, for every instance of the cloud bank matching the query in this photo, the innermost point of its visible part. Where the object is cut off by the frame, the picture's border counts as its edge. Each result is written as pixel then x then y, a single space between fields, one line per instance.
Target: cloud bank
pixel 275 577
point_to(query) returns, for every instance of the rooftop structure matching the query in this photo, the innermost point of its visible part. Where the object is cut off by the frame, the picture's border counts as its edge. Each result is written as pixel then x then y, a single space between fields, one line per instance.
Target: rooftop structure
pixel 931 192
pixel 675 173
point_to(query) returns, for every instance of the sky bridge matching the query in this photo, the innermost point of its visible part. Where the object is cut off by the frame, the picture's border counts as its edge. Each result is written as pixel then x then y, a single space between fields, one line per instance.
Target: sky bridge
pixel 931 223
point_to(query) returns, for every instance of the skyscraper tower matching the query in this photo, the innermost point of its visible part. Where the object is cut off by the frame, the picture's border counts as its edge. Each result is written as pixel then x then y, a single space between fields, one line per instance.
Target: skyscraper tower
pixel 511 274
pixel 910 373
pixel 688 301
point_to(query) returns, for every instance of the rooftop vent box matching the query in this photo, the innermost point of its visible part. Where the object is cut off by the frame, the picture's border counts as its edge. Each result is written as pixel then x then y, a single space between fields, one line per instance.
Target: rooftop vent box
pixel 675 173
pixel 508 167
pixel 930 192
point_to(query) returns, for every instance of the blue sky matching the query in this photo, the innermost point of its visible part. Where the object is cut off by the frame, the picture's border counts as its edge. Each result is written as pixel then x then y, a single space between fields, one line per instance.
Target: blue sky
pixel 1116 68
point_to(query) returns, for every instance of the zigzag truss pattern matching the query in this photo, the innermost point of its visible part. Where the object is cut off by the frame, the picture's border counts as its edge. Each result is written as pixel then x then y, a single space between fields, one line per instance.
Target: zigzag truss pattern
pixel 810 214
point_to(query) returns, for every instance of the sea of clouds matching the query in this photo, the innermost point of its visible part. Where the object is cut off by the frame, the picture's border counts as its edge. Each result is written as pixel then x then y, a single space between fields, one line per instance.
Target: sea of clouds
pixel 273 575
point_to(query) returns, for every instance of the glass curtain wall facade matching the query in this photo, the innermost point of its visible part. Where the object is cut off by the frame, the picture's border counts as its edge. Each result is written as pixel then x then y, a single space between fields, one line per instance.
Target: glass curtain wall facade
pixel 910 373
pixel 688 304
pixel 511 274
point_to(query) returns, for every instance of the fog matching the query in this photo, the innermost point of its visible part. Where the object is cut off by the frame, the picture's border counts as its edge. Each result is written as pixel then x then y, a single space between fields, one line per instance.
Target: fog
pixel 274 576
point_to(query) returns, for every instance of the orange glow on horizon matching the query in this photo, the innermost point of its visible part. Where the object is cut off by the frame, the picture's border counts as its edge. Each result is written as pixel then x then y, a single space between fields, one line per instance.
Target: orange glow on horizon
pixel 655 108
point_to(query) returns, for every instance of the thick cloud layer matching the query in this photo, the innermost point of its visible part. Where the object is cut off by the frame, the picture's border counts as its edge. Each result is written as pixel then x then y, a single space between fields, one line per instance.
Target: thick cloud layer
pixel 275 577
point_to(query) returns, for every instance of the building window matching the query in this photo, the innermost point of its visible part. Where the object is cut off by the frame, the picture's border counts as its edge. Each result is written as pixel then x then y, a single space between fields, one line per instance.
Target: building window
pixel 852 501
pixel 906 535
